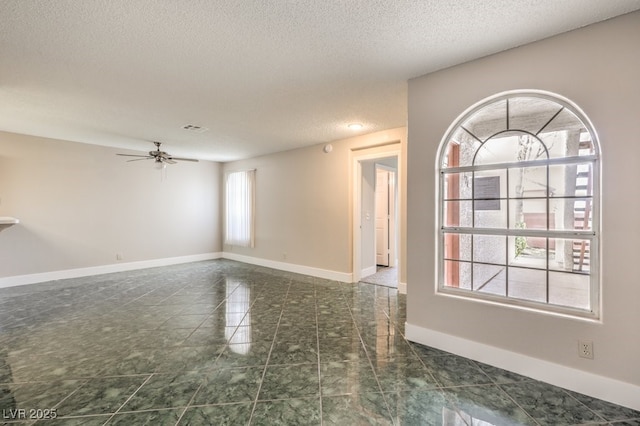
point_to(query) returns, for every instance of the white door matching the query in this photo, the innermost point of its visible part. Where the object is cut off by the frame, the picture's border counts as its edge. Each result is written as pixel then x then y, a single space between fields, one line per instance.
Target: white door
pixel 383 202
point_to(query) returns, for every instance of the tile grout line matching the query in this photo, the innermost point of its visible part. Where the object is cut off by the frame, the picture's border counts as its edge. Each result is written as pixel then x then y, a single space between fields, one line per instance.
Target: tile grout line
pixel 585 405
pixel 132 300
pixel 375 374
pixel 189 403
pixel 205 320
pixel 273 342
pixel 226 345
pixel 72 393
pixel 142 295
pixel 107 307
pixel 516 402
pixel 315 303
pixel 439 386
pixel 498 385
pixel 129 399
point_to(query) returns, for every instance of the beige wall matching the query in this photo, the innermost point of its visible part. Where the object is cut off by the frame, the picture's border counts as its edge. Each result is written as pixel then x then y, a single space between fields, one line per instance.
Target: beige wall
pixel 597 67
pixel 304 202
pixel 80 204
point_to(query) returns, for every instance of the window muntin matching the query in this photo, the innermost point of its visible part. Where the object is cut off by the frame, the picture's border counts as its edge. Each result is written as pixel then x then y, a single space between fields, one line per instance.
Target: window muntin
pixel 518 205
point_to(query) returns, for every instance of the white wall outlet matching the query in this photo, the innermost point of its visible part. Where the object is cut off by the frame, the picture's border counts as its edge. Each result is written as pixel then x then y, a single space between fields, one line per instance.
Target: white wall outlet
pixel 284 256
pixel 119 256
pixel 585 349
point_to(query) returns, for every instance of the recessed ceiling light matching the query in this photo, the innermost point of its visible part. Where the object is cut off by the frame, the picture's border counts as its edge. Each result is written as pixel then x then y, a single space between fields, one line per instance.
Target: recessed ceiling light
pixel 355 126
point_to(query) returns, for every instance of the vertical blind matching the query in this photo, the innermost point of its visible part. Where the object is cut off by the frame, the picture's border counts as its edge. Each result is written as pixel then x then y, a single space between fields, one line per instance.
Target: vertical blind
pixel 240 206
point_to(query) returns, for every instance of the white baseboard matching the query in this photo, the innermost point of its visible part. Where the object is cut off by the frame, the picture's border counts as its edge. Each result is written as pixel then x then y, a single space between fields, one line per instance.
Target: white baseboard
pixel 130 266
pixel 102 269
pixel 291 267
pixel 368 271
pixel 402 288
pixel 605 388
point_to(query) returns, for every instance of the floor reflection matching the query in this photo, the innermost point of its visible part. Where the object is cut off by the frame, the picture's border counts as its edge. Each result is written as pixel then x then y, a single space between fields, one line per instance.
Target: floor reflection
pixel 238 316
pixel 221 342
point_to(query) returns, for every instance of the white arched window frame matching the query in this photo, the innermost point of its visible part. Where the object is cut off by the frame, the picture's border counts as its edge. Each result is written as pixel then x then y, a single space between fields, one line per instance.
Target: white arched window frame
pixel 519 205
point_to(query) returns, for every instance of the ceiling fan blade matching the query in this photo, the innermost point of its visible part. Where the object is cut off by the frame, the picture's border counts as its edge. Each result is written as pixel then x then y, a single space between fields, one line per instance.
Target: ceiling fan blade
pixel 183 159
pixel 138 159
pixel 160 157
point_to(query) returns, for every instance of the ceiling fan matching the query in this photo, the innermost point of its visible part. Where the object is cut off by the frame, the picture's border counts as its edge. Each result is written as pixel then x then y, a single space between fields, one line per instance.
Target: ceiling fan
pixel 161 158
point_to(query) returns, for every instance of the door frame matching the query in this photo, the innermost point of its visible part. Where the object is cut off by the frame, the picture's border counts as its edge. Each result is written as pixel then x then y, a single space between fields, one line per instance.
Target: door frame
pixel 391 149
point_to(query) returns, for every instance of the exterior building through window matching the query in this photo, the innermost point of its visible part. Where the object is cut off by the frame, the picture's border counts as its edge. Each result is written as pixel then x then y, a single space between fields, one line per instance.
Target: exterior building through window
pixel 519 204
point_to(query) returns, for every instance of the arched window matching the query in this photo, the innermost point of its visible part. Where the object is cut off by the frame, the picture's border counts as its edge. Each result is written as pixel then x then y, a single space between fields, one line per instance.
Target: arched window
pixel 519 204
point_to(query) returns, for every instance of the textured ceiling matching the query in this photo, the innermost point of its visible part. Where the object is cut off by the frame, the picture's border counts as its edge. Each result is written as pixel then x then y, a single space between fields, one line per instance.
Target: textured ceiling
pixel 263 76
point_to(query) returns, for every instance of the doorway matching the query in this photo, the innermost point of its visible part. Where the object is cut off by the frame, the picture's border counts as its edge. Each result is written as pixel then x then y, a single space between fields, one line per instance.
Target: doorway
pixel 376 218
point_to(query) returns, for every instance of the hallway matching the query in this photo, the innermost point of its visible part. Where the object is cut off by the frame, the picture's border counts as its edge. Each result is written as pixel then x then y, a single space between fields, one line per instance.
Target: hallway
pixel 386 276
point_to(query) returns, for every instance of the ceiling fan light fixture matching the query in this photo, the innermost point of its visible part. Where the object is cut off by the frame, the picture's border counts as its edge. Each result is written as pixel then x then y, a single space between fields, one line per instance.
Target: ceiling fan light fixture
pixel 161 158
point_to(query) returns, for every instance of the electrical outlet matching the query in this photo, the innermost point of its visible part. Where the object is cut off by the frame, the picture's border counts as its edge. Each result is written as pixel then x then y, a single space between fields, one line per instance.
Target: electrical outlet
pixel 284 256
pixel 585 349
pixel 119 256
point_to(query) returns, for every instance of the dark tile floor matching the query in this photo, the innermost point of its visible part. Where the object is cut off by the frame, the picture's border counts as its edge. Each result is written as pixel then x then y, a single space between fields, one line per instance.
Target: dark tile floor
pixel 220 342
